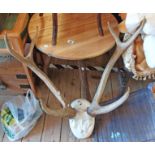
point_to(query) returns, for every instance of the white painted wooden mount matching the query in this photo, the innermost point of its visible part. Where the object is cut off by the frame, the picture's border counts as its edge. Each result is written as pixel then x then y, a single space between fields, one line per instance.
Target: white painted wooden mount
pixel 82 124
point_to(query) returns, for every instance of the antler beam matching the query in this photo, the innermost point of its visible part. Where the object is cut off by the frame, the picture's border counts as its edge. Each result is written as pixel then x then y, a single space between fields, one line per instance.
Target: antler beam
pixel 95 108
pixel 28 60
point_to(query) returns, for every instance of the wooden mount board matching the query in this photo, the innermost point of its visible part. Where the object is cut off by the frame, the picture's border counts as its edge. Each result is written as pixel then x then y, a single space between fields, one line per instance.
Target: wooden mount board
pixel 77 38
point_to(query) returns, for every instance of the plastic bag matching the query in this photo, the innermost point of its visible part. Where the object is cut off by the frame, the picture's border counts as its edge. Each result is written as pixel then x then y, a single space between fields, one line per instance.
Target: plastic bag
pixel 19 115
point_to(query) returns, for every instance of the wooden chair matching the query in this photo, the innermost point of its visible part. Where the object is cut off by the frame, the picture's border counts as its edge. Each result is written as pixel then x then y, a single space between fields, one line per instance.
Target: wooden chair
pixel 15 25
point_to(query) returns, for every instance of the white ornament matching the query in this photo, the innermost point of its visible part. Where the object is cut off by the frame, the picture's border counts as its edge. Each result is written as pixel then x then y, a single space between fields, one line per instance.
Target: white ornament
pixel 133 21
pixel 82 125
pixel 149 27
pixel 149 50
pixel 147 34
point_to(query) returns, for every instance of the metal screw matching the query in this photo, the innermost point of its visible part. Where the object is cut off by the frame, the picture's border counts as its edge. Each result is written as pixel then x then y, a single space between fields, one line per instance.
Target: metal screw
pixel 70 41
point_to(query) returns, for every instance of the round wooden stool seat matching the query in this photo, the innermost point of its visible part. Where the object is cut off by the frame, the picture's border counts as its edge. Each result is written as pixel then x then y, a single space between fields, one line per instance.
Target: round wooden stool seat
pixel 77 35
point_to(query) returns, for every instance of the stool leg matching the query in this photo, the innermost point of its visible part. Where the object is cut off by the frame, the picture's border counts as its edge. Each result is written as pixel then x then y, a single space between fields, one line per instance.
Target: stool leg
pixel 38 58
pixel 85 93
pixel 55 28
pixel 99 23
pixel 46 62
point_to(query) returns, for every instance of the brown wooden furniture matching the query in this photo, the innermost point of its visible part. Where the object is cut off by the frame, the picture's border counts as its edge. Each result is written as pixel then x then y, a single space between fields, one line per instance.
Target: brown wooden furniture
pixel 76 32
pixel 78 38
pixel 12 73
pixel 55 26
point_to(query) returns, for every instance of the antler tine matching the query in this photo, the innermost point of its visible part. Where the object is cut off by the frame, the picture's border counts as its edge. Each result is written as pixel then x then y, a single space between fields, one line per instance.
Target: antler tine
pixel 134 36
pixel 8 46
pixel 30 54
pixel 116 38
pixel 65 112
pixel 110 107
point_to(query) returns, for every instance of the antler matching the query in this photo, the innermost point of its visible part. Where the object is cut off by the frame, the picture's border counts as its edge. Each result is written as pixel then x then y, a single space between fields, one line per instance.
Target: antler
pixel 95 108
pixel 28 60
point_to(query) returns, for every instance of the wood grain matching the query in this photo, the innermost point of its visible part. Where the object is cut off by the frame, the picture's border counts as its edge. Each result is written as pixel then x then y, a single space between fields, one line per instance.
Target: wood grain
pixel 85 93
pixel 133 121
pixel 77 36
pixel 8 72
pixel 52 126
pixel 71 90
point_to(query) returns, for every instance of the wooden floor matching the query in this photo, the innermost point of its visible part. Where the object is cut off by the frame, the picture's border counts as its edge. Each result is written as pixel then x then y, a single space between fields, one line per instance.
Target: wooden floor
pixel 130 126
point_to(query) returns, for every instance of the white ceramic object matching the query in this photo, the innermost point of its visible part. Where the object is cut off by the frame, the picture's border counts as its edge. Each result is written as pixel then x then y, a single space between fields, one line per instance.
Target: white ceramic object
pixel 82 125
pixel 149 27
pixel 133 21
pixel 149 50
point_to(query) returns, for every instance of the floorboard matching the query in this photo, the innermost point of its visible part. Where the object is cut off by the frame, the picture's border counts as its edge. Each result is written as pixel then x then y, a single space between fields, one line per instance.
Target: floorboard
pixel 52 126
pixel 71 91
pixel 133 121
pixel 100 122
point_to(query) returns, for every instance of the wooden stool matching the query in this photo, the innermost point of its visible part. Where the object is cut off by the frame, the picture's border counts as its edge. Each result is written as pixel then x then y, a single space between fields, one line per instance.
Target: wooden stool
pixel 76 38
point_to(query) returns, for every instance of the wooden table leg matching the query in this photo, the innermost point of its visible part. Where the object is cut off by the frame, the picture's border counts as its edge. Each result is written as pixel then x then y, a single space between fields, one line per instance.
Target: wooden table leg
pixel 46 63
pixel 85 93
pixel 38 58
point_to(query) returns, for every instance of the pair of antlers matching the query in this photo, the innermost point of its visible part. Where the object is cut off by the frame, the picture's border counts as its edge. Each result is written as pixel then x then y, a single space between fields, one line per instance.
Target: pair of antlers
pixel 94 108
